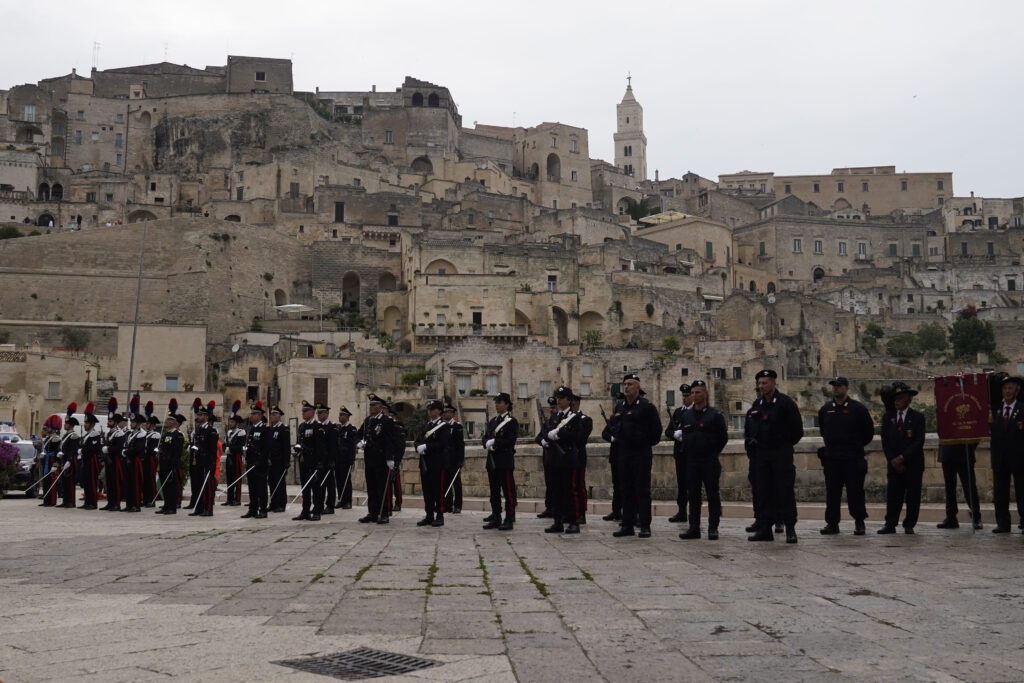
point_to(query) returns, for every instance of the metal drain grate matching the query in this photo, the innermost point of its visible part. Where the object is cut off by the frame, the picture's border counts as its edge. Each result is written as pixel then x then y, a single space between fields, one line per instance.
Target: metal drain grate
pixel 359 664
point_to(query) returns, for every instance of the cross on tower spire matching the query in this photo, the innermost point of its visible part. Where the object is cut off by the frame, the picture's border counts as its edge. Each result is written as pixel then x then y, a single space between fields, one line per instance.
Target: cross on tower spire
pixel 629 79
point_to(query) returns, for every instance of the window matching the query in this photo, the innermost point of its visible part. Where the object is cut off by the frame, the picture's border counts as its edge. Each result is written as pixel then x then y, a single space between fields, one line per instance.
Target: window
pixel 392 221
pixel 90 196
pixel 862 249
pixel 1011 285
pixel 470 219
pixel 552 283
pixel 108 197
pixel 588 369
pixel 737 372
pixel 78 137
pixel 30 114
pixel 574 176
pixel 554 203
pixel 492 384
pixel 841 187
pixel 933 251
pixel 389 137
pixel 261 76
pixel 573 146
pixel 627 151
pixel 80 116
pixel 171 383
pixel 915 249
pixel 118 139
pixel 903 186
pixel 990 248
pixel 441 319
pixel 95 136
pixel 797 245
pixel 484 295
pixel 554 142
pixel 628 168
pixel 545 389
pixel 239 193
pixel 524 390
pixel 440 294
pixel 463 383
pixel 910 298
pixel 761 249
pixel 709 251
pixel 817 247
pixel 864 187
pixel 339 212
pixel 789 189
pixel 718 373
pixel 320 390
pixel 53 390
pixel 938 184
pixel 963 248
pixel 893 250
pixel 764 187
pixel 119 159
pixel 356 182
pixel 119 118
pixel 842 248
pixel 685 372
pixel 817 187
pixel 584 388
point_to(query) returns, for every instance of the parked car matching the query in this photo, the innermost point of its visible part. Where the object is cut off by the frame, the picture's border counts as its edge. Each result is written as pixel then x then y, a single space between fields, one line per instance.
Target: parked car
pixel 28 469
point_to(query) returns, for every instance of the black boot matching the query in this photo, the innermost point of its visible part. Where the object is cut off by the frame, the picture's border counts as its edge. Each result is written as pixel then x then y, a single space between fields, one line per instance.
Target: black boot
pixel 791 533
pixel 692 532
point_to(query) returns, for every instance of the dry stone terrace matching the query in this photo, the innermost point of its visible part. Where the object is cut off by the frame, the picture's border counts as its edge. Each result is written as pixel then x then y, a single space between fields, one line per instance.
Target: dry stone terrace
pixel 116 597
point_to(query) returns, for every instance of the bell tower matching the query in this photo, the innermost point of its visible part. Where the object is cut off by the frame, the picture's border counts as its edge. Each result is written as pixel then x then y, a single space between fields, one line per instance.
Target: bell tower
pixel 630 141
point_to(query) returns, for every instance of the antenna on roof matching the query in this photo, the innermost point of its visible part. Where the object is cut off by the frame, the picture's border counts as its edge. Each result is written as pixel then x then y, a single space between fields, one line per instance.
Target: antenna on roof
pixel 96 55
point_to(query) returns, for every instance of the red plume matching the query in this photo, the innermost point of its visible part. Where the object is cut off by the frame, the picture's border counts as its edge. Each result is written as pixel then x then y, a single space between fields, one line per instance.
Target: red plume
pixel 111 406
pixel 172 405
pixel 90 407
pixel 211 405
pixel 258 404
pixel 133 405
pixel 196 405
pixel 72 408
pixel 235 407
pixel 149 408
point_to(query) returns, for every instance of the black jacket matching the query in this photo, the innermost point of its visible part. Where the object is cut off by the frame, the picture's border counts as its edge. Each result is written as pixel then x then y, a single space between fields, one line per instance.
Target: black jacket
pixel 638 428
pixel 170 450
pixel 564 451
pixel 434 436
pixel 504 430
pixel 846 429
pixel 257 445
pixel 704 433
pixel 1007 438
pixel 908 442
pixel 456 446
pixel 381 439
pixel 775 426
pixel 279 443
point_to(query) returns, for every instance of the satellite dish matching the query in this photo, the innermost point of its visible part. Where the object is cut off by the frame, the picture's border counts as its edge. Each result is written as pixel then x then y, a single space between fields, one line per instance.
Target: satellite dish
pixel 234 349
pixel 771 298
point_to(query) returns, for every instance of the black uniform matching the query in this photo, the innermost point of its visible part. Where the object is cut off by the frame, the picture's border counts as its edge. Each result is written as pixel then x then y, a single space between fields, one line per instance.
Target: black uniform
pixel 150 467
pixel 958 461
pixel 195 472
pixel 169 463
pixel 1007 447
pixel 89 453
pixel 328 477
pixel 432 446
pixel 279 443
pixel 347 435
pixel 903 437
pixel 305 449
pixel 846 429
pixel 580 472
pixel 204 458
pixel 637 430
pixel 135 454
pixel 234 464
pixel 704 437
pixel 257 457
pixel 456 459
pixel 610 428
pixel 501 463
pixel 561 457
pixel 380 444
pixel 50 466
pixel 395 486
pixel 679 455
pixel 776 426
pixel 113 465
pixel 69 445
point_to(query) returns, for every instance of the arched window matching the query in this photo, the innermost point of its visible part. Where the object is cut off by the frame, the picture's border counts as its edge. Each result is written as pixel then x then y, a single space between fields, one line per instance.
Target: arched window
pixel 417 100
pixel 554 168
pixel 44 192
pixel 819 274
pixel 433 100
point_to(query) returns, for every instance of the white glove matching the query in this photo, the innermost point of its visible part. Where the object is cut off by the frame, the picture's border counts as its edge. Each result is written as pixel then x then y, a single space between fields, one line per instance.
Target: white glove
pixel 489 445
pixel 553 435
pixel 66 465
pixel 60 454
pixel 104 449
pixel 245 449
pixel 544 443
pixel 421 449
pixel 297 447
pixel 194 449
pixel 391 464
pixel 613 440
pixel 361 445
pixel 678 435
pixel 79 457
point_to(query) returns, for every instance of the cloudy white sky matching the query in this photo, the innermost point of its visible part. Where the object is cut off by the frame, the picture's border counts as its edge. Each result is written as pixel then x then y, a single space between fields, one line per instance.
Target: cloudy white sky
pixel 792 87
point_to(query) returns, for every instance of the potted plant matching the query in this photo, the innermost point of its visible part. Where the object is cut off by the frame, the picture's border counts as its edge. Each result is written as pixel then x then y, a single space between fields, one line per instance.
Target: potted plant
pixel 147 386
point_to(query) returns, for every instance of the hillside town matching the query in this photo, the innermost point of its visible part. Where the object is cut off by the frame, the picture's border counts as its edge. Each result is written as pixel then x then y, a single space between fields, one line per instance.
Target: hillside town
pixel 176 231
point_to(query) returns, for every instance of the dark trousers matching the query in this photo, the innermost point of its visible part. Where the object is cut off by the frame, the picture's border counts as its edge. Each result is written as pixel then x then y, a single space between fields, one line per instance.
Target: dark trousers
pixel 775 477
pixel 1001 490
pixel 50 487
pixel 328 480
pixel 133 483
pixel 579 481
pixel 755 493
pixel 378 489
pixel 635 477
pixel 195 480
pixel 90 478
pixel 433 481
pixel 965 471
pixel 344 474
pixel 149 471
pixel 454 499
pixel 170 480
pixel 279 490
pixel 205 488
pixel 234 469
pixel 503 484
pixel 257 484
pixel 616 487
pixel 566 498
pixel 115 477
pixel 902 486
pixel 312 492
pixel 682 489
pixel 395 487
pixel 67 485
pixel 848 472
pixel 550 478
pixel 704 472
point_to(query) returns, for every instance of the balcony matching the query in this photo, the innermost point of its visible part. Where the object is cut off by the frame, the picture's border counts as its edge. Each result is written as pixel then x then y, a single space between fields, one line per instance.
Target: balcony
pixel 470 330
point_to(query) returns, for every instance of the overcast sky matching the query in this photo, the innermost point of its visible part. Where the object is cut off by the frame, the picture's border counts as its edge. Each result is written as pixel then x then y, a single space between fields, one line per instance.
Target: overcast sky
pixel 791 87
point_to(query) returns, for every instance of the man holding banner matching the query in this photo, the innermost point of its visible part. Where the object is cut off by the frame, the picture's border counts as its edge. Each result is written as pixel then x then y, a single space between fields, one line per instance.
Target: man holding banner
pixel 961 410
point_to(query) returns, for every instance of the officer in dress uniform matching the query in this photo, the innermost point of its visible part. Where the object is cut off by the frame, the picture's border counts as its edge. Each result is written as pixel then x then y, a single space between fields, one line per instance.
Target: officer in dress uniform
pixel 397 453
pixel 638 429
pixel 499 441
pixel 305 451
pixel 113 465
pixel 610 428
pixel 89 457
pixel 377 440
pixel 549 474
pixel 69 465
pixel 279 452
pixel 675 424
pixel 234 460
pixel 135 453
pixel 172 441
pixel 347 435
pixel 455 457
pixel 49 461
pixel 559 437
pixel 846 428
pixel 327 480
pixel 1007 447
pixel 776 428
pixel 750 447
pixel 256 457
pixel 703 436
pixel 150 465
pixel 903 445
pixel 203 449
pixel 431 446
pixel 580 473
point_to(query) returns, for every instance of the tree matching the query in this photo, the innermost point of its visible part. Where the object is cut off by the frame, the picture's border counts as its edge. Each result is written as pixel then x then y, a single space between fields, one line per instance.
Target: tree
pixel 932 337
pixel 874 330
pixel 9 231
pixel 971 335
pixel 74 338
pixel 638 211
pixel 904 345
pixel 670 344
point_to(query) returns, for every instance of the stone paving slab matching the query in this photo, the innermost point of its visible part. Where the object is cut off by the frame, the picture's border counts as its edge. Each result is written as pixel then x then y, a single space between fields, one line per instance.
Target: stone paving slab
pixel 90 596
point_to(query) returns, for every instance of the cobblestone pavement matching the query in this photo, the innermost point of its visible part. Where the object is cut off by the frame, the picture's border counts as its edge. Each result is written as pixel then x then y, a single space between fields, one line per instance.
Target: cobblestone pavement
pixel 134 597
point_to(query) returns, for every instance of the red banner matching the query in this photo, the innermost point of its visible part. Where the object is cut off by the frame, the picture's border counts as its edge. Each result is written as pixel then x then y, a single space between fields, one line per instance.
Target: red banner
pixel 961 408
